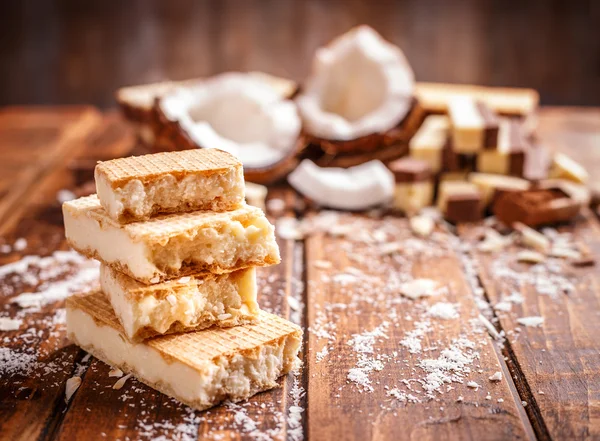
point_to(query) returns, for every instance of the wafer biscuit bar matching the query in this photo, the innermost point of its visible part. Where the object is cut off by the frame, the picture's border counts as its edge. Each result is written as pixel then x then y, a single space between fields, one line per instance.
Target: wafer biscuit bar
pixel 430 140
pixel 509 157
pixel 172 246
pixel 199 368
pixel 139 187
pixel 181 305
pixel 434 97
pixel 460 201
pixel 474 125
pixel 414 184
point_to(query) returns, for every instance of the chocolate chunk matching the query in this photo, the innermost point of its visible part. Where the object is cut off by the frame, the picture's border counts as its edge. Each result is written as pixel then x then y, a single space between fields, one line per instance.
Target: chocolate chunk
pixel 535 207
pixel 410 170
pixel 491 125
pixel 453 161
pixel 461 208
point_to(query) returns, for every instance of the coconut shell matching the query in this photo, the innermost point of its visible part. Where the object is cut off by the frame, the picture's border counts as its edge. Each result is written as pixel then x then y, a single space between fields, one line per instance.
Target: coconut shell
pixel 402 133
pixel 170 136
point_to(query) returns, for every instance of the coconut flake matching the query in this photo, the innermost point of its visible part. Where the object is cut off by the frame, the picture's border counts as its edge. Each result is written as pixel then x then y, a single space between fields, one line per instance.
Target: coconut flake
pixel 422 225
pixel 528 256
pixel 418 288
pixel 8 324
pixel 531 321
pixel 473 385
pixel 73 384
pixel 444 311
pixel 496 377
pixel 532 238
pixel 115 372
pixel 20 244
pixel 355 188
pixel 121 382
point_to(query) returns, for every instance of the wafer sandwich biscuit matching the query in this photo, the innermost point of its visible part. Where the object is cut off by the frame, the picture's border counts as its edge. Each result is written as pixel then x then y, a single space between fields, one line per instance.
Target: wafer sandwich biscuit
pixel 460 201
pixel 435 97
pixel 172 246
pixel 509 157
pixel 430 140
pixel 181 305
pixel 474 125
pixel 414 184
pixel 199 368
pixel 139 187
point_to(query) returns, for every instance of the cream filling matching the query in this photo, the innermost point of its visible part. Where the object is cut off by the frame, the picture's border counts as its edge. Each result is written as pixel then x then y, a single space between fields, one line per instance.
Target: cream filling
pixel 467 125
pixel 111 244
pixel 225 246
pixel 234 376
pixel 168 192
pixel 191 303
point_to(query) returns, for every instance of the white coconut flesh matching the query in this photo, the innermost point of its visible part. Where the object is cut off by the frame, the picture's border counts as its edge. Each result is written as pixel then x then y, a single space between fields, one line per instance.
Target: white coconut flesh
pixel 360 85
pixel 354 188
pixel 238 113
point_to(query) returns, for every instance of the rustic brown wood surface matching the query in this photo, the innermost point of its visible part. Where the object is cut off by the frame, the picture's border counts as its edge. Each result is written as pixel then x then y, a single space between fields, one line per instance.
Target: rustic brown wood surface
pixel 557 363
pixel 363 377
pixel 86 50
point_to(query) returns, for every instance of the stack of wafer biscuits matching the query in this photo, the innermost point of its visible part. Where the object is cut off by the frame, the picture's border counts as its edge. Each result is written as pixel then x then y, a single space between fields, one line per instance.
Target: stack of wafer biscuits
pixel 179 248
pixel 473 152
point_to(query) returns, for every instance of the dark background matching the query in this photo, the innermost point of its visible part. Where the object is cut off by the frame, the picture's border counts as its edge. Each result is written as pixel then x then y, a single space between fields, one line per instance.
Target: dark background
pixel 63 52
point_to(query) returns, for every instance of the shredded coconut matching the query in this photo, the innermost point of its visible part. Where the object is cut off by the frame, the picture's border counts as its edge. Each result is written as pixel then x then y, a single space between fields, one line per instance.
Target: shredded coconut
pixel 532 321
pixel 444 311
pixel 8 324
pixel 71 387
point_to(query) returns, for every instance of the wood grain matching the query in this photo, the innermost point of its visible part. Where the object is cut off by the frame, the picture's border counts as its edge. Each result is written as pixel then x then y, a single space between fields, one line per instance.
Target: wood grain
pixel 60 137
pixel 342 303
pixel 557 361
pixel 86 50
pixel 305 289
pixel 32 404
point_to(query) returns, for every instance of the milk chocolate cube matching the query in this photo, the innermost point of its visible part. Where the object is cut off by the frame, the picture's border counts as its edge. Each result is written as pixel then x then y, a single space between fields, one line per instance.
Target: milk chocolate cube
pixel 414 185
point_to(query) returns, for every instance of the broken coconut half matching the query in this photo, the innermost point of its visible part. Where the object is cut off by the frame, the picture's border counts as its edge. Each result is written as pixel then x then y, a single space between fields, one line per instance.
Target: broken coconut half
pixel 355 188
pixel 361 88
pixel 246 114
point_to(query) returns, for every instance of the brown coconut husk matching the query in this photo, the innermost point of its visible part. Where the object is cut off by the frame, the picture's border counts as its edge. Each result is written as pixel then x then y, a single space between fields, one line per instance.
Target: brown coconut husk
pixel 170 136
pixel 385 146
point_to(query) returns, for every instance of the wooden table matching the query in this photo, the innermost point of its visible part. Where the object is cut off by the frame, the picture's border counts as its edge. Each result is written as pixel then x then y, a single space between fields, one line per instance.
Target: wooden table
pixel 363 376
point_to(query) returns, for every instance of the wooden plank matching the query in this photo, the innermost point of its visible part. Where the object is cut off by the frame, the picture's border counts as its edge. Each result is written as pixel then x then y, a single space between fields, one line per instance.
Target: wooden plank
pixel 32 390
pixel 138 410
pixel 574 131
pixel 59 136
pixel 558 361
pixel 369 347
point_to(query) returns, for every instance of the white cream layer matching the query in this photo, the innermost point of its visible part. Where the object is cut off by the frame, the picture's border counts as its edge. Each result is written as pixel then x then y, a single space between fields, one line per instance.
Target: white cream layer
pixel 192 303
pixel 111 244
pixel 236 377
